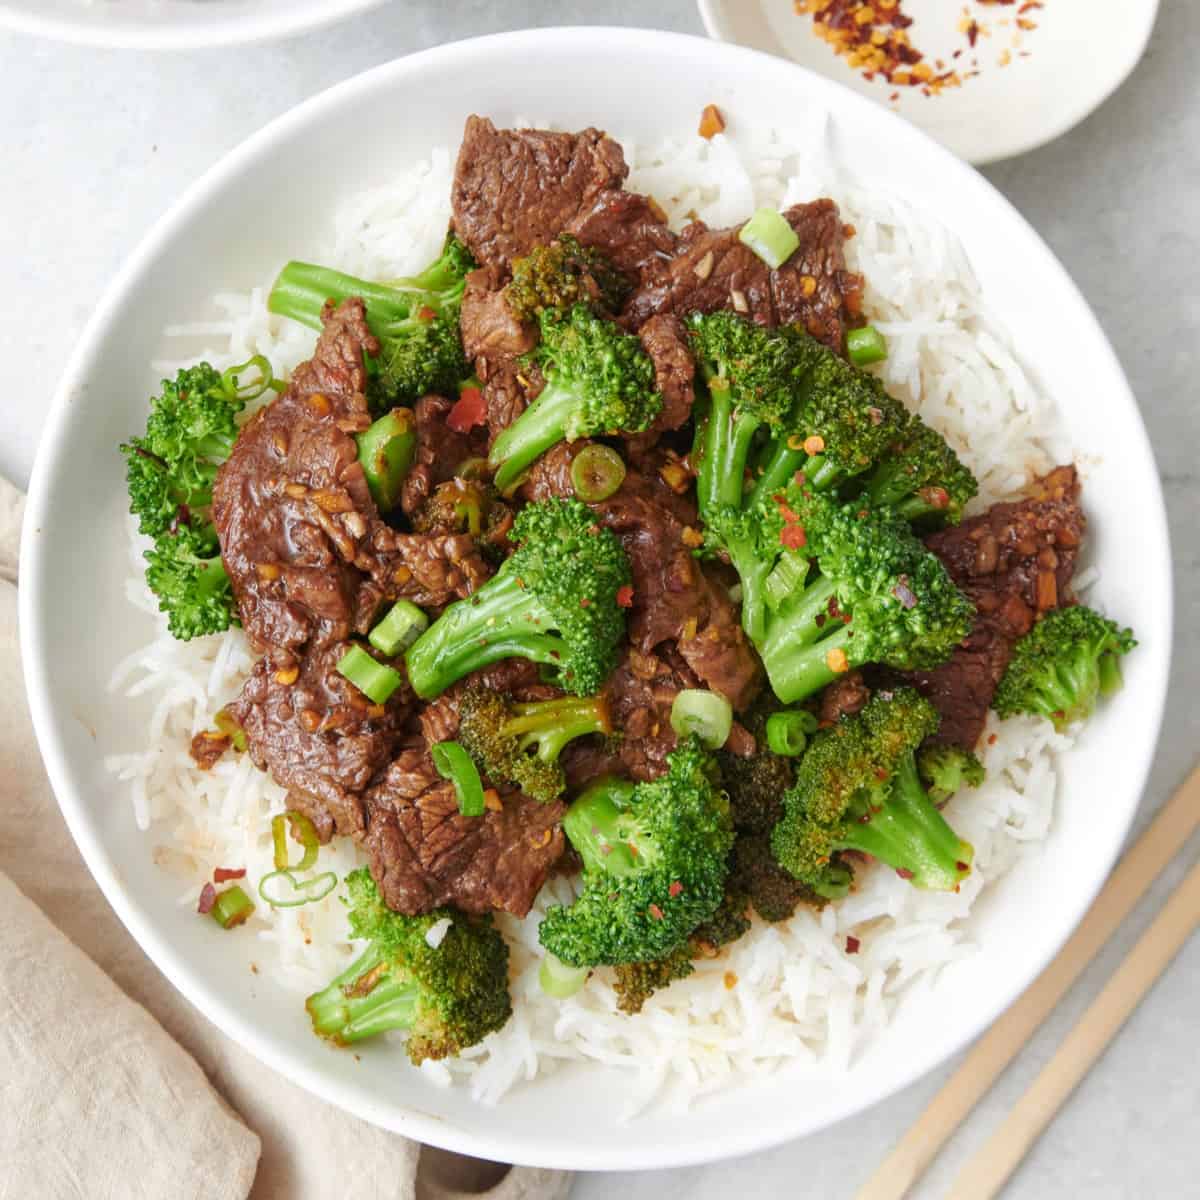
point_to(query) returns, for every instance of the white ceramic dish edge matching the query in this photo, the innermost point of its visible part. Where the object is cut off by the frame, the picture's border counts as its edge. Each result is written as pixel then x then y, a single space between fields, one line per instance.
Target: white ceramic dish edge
pixel 409 1121
pixel 246 28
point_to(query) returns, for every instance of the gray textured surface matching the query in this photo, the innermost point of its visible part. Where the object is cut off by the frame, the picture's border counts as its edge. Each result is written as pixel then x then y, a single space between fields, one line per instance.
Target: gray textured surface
pixel 97 144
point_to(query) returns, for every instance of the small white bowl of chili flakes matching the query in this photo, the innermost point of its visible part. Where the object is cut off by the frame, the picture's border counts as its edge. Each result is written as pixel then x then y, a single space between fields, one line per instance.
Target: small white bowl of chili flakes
pixel 988 78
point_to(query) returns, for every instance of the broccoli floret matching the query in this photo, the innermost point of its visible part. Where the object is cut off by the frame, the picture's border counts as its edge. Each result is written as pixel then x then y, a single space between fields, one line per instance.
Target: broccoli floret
pixel 635 983
pixel 190 431
pixel 921 478
pixel 946 770
pixel 654 864
pixel 598 380
pixel 184 570
pixel 553 601
pixel 1061 667
pixel 774 892
pixel 821 416
pixel 857 788
pixel 448 997
pixel 562 275
pixel 875 595
pixel 414 318
pixel 521 743
pixel 755 377
pixel 170 471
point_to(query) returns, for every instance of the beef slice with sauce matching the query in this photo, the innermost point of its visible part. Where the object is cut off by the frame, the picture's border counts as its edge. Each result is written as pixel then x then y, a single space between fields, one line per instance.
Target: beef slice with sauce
pixel 317 734
pixel 424 853
pixel 1015 561
pixel 291 504
pixel 515 189
pixel 713 270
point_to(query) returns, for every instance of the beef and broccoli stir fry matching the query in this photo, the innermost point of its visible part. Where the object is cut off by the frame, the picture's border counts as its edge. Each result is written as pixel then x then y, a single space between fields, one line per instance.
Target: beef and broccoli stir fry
pixel 593 548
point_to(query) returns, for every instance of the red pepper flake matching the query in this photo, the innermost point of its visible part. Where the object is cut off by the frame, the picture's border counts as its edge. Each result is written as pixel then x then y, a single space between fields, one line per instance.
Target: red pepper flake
pixel 853 945
pixel 208 897
pixel 625 596
pixel 675 889
pixel 469 410
pixel 904 873
pixel 425 313
pixel 656 912
pixel 963 867
pixel 224 874
pixel 973 33
pixel 584 602
pixel 992 739
pixel 712 122
pixel 793 537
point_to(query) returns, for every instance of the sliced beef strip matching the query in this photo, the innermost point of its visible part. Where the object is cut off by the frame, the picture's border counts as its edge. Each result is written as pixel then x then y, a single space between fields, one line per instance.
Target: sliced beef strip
pixel 515 189
pixel 508 389
pixel 712 270
pixel 1015 562
pixel 291 503
pixel 630 230
pixel 429 569
pixel 317 734
pixel 675 598
pixel 487 323
pixel 664 339
pixel 439 451
pixel 424 853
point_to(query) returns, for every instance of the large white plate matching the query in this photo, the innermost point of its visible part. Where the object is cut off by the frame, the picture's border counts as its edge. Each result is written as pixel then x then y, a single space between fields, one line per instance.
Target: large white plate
pixel 174 24
pixel 272 198
pixel 1079 54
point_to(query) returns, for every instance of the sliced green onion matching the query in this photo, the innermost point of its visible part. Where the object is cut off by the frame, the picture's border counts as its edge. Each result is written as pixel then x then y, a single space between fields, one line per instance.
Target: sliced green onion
pixel 769 235
pixel 305 830
pixel 399 629
pixel 787 732
pixel 866 346
pixel 559 980
pixel 231 729
pixel 707 715
pixel 785 580
pixel 281 889
pixel 597 472
pixel 376 680
pixel 231 378
pixel 231 907
pixel 454 763
pixel 386 452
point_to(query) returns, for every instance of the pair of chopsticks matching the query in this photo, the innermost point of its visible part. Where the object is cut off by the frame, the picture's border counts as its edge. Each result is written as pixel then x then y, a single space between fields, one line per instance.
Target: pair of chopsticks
pixel 988 1171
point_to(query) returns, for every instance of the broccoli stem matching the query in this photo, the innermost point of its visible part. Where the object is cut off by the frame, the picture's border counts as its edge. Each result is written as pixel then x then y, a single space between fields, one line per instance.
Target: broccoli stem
pixel 542 425
pixel 909 834
pixel 500 621
pixel 302 289
pixel 800 642
pixel 780 465
pixel 364 1000
pixel 551 725
pixel 727 438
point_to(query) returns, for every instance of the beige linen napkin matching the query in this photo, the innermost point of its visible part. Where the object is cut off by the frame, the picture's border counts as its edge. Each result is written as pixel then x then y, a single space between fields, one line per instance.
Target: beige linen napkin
pixel 106 1098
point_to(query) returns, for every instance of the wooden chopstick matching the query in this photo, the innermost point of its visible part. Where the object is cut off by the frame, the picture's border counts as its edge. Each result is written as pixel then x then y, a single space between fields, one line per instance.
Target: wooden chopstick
pixel 1149 856
pixel 989 1170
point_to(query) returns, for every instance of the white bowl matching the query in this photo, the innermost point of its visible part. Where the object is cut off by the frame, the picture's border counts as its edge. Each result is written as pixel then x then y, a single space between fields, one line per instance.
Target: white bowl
pixel 1077 57
pixel 250 213
pixel 174 24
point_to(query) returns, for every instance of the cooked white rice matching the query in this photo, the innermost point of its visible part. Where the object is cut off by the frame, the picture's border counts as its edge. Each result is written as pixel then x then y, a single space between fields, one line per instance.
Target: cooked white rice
pixel 784 992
